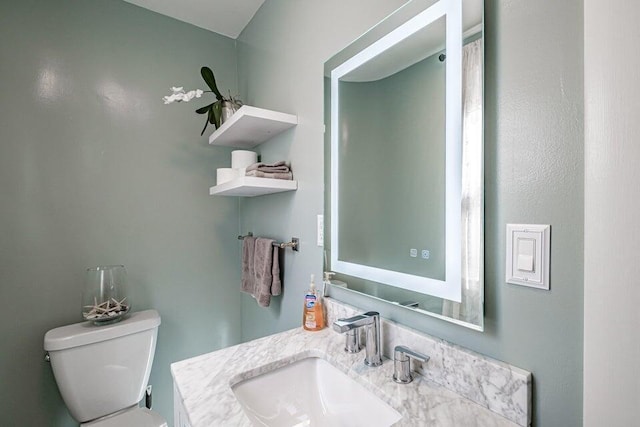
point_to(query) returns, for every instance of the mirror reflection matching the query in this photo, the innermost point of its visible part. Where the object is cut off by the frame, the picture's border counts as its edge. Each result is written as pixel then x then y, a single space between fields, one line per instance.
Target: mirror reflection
pixel 392 156
pixel 390 180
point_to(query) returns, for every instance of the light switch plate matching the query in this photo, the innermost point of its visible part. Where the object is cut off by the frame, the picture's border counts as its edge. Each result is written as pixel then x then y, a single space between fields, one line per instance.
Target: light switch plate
pixel 528 250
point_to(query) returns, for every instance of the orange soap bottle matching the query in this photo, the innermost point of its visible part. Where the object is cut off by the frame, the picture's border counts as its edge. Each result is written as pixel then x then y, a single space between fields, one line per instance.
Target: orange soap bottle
pixel 312 314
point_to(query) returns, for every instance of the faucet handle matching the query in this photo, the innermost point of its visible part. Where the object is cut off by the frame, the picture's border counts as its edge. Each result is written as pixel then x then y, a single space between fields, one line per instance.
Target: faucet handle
pixel 352 341
pixel 402 363
pixel 371 323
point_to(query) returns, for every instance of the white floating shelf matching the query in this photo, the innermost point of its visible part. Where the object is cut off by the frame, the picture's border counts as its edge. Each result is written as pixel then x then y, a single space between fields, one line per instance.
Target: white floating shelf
pixel 250 126
pixel 250 186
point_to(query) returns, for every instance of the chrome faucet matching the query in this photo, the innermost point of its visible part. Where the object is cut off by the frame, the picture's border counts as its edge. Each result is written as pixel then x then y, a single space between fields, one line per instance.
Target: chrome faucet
pixel 402 363
pixel 371 323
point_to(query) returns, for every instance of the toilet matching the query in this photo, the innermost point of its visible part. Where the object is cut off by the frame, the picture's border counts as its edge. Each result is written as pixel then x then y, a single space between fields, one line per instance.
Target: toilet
pixel 102 371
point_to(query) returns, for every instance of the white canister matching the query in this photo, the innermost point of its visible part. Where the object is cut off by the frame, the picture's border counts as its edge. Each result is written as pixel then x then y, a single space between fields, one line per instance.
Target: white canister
pixel 225 174
pixel 243 158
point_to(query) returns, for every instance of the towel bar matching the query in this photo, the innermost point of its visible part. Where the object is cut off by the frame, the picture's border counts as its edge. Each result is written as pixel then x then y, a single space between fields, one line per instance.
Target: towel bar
pixel 293 244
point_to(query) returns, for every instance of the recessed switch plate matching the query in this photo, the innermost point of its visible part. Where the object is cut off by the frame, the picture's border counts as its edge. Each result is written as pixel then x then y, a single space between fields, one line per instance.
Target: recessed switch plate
pixel 320 230
pixel 528 250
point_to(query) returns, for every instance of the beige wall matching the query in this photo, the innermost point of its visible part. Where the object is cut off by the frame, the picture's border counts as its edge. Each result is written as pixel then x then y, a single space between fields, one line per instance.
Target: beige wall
pixel 612 155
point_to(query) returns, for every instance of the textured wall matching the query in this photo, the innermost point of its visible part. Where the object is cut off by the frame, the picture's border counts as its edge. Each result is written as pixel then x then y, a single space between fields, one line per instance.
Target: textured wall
pixel 611 292
pixel 281 57
pixel 94 169
pixel 534 174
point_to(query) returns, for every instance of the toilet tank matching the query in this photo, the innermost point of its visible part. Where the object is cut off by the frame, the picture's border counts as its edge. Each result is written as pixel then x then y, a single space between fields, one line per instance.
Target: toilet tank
pixel 103 369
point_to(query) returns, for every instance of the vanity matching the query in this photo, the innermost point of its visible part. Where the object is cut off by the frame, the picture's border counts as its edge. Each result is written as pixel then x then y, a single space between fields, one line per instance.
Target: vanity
pixel 456 387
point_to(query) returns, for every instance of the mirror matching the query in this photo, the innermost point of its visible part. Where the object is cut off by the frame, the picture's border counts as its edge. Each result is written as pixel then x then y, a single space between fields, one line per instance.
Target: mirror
pixel 404 184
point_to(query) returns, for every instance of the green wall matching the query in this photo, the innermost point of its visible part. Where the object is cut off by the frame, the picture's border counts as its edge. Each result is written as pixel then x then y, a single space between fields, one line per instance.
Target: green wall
pixel 281 57
pixel 94 169
pixel 534 174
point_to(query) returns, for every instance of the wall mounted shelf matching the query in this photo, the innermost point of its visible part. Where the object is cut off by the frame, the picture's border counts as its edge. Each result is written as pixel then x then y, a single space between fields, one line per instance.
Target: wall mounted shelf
pixel 250 126
pixel 250 186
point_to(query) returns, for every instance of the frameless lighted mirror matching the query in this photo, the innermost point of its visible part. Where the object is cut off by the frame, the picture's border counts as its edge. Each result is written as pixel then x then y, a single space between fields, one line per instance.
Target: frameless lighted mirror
pixel 405 179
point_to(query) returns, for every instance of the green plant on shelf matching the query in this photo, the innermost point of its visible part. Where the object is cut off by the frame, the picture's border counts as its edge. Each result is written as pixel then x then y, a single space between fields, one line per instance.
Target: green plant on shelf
pixel 218 111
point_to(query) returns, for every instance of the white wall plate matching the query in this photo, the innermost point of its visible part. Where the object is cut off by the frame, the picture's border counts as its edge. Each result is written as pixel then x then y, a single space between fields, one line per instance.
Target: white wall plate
pixel 528 250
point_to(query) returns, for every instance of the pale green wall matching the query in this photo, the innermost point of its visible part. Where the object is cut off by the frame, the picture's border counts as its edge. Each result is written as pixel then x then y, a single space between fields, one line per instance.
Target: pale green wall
pixel 281 57
pixel 534 174
pixel 82 83
pixel 94 169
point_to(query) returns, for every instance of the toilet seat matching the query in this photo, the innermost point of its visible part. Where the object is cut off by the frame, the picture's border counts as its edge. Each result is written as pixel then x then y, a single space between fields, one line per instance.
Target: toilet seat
pixel 136 417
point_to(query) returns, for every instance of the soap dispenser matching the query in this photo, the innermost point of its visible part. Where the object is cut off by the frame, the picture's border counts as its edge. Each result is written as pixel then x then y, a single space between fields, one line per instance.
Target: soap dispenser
pixel 326 281
pixel 313 314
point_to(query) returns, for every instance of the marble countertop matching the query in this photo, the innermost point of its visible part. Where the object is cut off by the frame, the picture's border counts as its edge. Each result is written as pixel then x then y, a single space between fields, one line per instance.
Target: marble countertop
pixel 204 382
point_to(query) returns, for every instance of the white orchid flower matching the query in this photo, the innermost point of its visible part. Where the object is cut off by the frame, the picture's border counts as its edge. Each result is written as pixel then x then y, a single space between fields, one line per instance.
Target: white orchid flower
pixel 168 99
pixel 179 95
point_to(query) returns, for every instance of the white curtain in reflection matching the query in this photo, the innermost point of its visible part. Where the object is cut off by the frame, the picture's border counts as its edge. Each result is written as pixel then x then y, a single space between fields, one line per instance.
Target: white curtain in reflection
pixel 470 310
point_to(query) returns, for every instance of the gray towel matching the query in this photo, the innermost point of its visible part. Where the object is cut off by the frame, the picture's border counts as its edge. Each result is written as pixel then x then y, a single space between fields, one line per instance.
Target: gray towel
pixel 248 249
pixel 260 269
pixel 276 285
pixel 280 166
pixel 275 175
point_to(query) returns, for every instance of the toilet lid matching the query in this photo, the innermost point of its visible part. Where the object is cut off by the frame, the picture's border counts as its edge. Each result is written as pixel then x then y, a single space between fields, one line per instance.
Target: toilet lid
pixel 137 417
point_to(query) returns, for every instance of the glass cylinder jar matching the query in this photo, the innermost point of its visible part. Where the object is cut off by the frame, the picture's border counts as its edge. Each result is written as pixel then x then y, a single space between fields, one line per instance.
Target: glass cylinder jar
pixel 228 109
pixel 105 296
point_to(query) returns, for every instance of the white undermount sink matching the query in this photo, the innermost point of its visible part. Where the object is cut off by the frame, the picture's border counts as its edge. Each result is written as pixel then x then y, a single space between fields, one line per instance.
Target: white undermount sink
pixel 311 392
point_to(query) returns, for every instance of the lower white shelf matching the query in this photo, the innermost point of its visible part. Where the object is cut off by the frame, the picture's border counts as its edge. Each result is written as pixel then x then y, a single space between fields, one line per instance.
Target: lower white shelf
pixel 250 186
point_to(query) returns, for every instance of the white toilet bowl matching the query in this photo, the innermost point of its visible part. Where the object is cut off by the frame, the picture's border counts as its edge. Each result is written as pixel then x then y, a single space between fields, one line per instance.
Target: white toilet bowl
pixel 102 371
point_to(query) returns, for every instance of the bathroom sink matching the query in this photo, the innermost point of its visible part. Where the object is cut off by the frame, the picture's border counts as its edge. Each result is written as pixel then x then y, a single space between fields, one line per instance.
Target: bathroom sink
pixel 311 392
